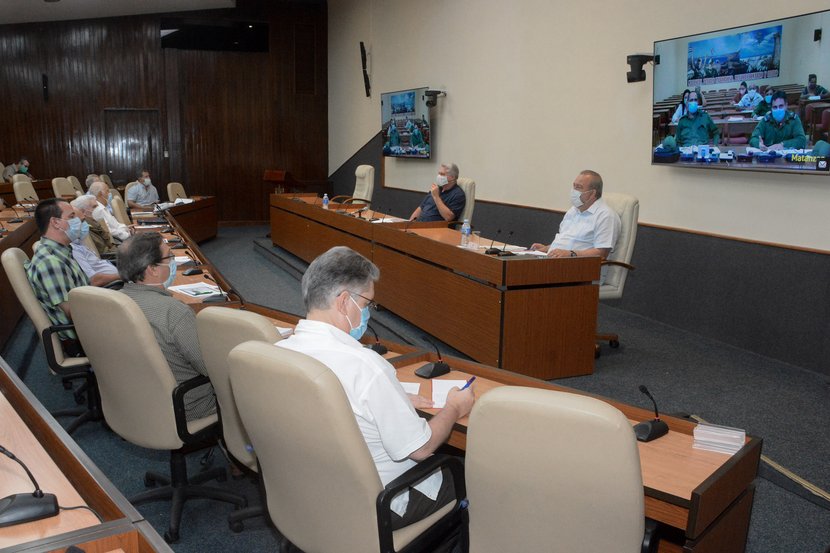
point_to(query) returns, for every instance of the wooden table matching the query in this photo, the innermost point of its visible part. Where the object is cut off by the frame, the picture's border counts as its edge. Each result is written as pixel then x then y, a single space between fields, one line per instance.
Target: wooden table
pixel 19 235
pixel 535 316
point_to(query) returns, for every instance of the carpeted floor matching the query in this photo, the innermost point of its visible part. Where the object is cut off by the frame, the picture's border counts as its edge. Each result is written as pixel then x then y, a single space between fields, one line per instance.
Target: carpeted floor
pixel 786 406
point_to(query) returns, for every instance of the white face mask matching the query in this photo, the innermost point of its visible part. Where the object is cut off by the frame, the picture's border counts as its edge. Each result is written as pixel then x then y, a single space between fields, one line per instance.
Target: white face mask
pixel 441 180
pixel 147 181
pixel 576 198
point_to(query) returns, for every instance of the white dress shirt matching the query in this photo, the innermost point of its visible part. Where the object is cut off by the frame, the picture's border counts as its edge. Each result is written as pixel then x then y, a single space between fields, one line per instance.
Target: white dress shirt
pixel 90 262
pixel 596 227
pixel 117 230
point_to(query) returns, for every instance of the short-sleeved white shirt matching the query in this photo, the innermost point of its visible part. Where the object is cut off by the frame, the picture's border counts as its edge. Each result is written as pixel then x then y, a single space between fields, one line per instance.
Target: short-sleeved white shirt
pixel 389 424
pixel 596 227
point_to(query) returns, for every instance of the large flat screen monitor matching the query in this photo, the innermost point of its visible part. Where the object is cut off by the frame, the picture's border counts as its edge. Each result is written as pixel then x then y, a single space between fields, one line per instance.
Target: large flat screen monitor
pixel 747 98
pixel 405 124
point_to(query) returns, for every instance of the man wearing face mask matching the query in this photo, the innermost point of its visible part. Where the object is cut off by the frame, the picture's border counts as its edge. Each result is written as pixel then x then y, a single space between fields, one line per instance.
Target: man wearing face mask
pixel 590 227
pixel 445 201
pixel 148 267
pixel 143 194
pixel 696 127
pixel 337 289
pixel 751 99
pixel 764 107
pixel 52 271
pixel 99 271
pixel 813 88
pixel 780 128
pixel 101 192
pixel 21 167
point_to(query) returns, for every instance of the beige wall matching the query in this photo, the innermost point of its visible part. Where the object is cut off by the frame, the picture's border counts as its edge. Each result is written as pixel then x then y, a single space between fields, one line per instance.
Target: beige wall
pixel 536 91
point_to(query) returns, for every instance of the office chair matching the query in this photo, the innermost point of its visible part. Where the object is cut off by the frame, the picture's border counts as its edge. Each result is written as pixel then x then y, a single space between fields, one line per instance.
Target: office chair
pixel 76 184
pixel 552 471
pixel 618 263
pixel 20 177
pixel 62 187
pixel 469 188
pixel 141 401
pixel 220 330
pixel 24 191
pixel 119 211
pixel 316 466
pixel 106 178
pixel 69 368
pixel 175 190
pixel 364 186
pixel 116 194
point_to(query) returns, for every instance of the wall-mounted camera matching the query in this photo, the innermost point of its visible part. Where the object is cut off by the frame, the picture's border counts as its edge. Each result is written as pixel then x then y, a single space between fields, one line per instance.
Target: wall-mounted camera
pixel 432 97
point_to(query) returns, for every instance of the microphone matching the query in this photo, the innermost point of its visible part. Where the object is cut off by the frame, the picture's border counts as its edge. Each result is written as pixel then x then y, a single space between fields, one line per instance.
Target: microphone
pixel 377 347
pixel 431 370
pixel 17 218
pixel 406 227
pixel 32 200
pixel 491 250
pixel 25 507
pixel 653 429
pixel 503 252
pixel 193 257
pixel 359 213
pixel 222 295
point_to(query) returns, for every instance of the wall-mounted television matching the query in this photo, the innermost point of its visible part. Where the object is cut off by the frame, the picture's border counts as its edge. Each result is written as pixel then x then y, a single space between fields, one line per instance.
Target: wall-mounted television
pixel 742 98
pixel 404 117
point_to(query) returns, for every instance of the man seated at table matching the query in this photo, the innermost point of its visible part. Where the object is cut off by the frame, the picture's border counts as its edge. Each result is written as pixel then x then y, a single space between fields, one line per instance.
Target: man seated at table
pixel 590 227
pixel 143 194
pixel 445 200
pixel 813 88
pixel 21 167
pixel 101 192
pixel 99 271
pixel 751 99
pixel 148 268
pixel 780 128
pixel 337 290
pixel 52 271
pixel 696 127
pixel 98 231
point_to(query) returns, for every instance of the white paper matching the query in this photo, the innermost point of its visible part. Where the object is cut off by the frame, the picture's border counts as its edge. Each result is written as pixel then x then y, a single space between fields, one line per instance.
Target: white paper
pixel 440 389
pixel 152 226
pixel 411 387
pixel 284 332
pixel 196 290
pixel 180 201
pixel 389 219
pixel 182 259
pixel 534 253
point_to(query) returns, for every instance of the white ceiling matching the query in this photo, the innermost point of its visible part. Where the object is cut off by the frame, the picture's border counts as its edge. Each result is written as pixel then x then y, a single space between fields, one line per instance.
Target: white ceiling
pixel 28 11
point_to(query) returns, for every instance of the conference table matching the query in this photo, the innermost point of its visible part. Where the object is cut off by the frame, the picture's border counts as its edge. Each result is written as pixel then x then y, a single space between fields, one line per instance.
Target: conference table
pixel 531 315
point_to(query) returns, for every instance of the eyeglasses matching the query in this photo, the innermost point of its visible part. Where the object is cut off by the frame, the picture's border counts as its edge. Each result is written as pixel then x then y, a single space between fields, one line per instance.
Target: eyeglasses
pixel 171 256
pixel 369 303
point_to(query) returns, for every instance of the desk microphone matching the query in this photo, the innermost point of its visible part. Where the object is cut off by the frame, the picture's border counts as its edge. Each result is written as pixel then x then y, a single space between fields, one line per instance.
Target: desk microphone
pixel 503 252
pixel 360 211
pixel 193 258
pixel 32 200
pixel 225 295
pixel 377 347
pixel 653 429
pixel 24 507
pixel 491 250
pixel 431 370
pixel 406 227
pixel 17 218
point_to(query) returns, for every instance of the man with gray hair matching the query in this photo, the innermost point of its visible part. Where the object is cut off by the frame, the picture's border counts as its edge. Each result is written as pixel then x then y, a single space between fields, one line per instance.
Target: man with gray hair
pixel 103 196
pixel 85 205
pixel 337 289
pixel 100 271
pixel 445 200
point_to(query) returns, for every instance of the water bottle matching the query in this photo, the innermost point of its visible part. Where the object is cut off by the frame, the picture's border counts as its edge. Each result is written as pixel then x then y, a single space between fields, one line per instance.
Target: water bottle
pixel 465 233
pixel 325 201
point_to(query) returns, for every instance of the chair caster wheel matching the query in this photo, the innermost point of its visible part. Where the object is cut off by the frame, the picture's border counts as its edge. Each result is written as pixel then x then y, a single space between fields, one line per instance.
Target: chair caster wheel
pixel 597 351
pixel 67 384
pixel 614 344
pixel 171 537
pixel 236 527
pixel 222 477
pixel 79 398
pixel 149 482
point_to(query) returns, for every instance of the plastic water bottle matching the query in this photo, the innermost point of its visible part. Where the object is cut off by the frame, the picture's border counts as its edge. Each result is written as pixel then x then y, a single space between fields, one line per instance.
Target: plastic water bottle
pixel 325 201
pixel 465 233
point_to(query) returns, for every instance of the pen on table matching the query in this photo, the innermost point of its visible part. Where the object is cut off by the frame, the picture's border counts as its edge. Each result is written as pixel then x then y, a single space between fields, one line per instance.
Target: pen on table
pixel 467 385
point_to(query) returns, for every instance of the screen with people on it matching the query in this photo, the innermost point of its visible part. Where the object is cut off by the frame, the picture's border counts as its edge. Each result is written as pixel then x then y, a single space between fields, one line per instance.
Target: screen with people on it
pixel 405 124
pixel 747 98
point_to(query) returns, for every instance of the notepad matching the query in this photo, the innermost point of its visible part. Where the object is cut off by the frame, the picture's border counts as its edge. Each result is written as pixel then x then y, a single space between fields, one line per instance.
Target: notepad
pixel 440 389
pixel 197 290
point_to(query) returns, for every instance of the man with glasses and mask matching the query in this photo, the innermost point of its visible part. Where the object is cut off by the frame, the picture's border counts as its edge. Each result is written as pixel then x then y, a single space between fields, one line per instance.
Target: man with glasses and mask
pixel 445 200
pixel 148 268
pixel 338 288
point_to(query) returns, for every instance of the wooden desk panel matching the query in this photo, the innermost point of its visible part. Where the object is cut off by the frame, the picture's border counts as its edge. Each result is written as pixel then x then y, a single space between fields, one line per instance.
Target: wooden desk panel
pixel 307 238
pixel 20 235
pixel 199 219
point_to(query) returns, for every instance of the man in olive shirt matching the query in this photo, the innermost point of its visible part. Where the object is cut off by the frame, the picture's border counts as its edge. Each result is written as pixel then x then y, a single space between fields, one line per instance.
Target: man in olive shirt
pixel 779 129
pixel 696 127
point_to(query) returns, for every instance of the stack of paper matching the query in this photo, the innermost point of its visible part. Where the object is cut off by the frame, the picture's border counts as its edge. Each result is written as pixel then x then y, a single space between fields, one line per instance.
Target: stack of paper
pixel 285 332
pixel 722 439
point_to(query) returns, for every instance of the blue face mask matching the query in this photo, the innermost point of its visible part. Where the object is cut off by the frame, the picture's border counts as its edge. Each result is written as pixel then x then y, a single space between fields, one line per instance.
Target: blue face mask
pixel 358 331
pixel 77 230
pixel 768 98
pixel 778 114
pixel 109 198
pixel 693 106
pixel 172 276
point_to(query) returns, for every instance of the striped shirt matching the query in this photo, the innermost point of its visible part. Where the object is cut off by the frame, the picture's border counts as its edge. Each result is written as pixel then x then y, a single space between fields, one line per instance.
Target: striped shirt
pixel 53 273
pixel 174 325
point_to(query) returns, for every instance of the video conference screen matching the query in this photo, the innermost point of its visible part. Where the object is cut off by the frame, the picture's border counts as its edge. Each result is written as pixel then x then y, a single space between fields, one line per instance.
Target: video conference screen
pixel 747 98
pixel 405 124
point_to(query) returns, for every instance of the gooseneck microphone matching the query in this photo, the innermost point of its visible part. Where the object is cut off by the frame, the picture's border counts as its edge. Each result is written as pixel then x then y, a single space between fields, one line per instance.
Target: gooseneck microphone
pixel 17 218
pixel 406 227
pixel 491 250
pixel 503 252
pixel 221 296
pixel 377 347
pixel 25 507
pixel 431 370
pixel 653 429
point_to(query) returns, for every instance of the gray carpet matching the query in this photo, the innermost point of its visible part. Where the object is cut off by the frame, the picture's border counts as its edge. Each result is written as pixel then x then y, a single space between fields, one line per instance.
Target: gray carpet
pixel 786 406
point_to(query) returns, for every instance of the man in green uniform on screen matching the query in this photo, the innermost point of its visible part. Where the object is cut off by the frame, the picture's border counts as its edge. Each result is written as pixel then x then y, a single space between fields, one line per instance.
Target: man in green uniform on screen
pixel 780 128
pixel 696 127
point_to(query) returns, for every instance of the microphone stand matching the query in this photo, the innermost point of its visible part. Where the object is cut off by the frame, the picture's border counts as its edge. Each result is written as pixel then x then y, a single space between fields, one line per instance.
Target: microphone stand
pixel 503 252
pixel 491 250
pixel 431 370
pixel 650 430
pixel 24 507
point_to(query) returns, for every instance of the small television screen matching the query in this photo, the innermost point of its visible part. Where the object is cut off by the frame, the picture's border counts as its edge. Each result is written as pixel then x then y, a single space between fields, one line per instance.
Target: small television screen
pixel 747 98
pixel 405 124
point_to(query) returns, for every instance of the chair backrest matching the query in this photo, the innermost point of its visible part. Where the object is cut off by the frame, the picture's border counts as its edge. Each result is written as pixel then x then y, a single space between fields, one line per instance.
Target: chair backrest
pixel 106 178
pixel 20 177
pixel 76 184
pixel 364 182
pixel 119 211
pixel 24 191
pixel 313 459
pixel 571 478
pixel 175 190
pixel 14 260
pixel 469 188
pixel 116 193
pixel 62 187
pixel 220 330
pixel 134 379
pixel 628 208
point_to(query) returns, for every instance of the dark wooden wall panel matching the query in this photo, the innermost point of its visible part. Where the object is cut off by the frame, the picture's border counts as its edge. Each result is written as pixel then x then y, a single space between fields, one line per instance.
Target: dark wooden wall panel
pixel 223 117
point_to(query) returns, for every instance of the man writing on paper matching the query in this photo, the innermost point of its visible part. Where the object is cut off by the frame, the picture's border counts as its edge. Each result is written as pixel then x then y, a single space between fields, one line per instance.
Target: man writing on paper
pixel 337 289
pixel 445 200
pixel 149 268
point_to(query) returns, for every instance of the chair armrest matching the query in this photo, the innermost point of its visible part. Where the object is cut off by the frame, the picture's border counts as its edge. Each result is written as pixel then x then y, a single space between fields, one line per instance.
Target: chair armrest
pixel 341 197
pixel 179 411
pixel 355 199
pixel 46 337
pixel 115 285
pixel 112 257
pixel 410 477
pixel 618 263
pixel 651 537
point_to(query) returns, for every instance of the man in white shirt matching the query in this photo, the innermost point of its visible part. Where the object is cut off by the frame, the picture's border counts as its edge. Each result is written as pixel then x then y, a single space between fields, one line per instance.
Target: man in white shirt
pixel 101 192
pixel 142 194
pixel 338 288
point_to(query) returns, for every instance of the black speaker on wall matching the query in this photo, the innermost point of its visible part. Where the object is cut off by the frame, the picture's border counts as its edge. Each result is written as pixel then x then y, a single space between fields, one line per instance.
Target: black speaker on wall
pixel 816 35
pixel 45 80
pixel 366 84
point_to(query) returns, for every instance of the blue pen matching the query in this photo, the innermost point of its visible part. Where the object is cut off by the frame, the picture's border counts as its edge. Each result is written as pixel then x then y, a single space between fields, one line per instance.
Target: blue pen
pixel 467 385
